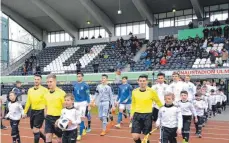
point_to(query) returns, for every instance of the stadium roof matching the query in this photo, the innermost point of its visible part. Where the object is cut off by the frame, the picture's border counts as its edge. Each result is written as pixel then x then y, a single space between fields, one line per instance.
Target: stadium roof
pixel 75 13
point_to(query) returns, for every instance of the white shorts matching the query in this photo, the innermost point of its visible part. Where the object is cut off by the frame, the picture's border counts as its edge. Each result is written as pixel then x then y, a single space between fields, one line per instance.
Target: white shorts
pixel 81 106
pixel 124 106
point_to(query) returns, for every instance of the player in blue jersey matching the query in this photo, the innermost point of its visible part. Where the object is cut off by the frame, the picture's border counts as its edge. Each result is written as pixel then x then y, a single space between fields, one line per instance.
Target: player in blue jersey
pixel 81 93
pixel 124 99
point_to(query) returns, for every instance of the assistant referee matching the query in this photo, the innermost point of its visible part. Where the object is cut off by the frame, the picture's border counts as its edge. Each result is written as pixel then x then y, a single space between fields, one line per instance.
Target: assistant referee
pixel 54 104
pixel 36 101
pixel 141 108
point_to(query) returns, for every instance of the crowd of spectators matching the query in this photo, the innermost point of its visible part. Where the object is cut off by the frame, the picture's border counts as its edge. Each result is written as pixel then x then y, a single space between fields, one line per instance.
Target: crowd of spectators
pixel 93 37
pixel 160 51
pixel 128 49
pixel 216 32
pixel 31 66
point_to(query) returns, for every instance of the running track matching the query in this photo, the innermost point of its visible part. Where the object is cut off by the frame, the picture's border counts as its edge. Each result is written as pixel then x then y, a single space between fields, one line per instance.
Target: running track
pixel 214 131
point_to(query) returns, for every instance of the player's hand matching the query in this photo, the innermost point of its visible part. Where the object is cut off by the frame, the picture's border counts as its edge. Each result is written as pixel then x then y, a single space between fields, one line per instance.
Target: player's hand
pixel 89 107
pixel 196 119
pixel 24 116
pixel 116 104
pixel 69 123
pixel 113 108
pixel 179 131
pixel 157 126
pixel 56 123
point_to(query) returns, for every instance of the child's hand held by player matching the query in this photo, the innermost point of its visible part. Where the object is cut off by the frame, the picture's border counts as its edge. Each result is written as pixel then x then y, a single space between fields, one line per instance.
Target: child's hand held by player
pixel 179 131
pixel 89 108
pixel 56 123
pixel 69 123
pixel 196 119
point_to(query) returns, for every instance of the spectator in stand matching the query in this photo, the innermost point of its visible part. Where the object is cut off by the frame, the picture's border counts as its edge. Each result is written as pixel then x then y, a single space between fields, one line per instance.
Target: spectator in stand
pixel 190 25
pixel 219 31
pixel 226 31
pixel 122 42
pixel 43 45
pixel 118 43
pixel 224 55
pixel 216 22
pixel 163 61
pixel 219 62
pixel 148 63
pixel 169 54
pixel 133 47
pixel 226 45
pixel 119 65
pixel 106 56
pixel 96 67
pixel 227 21
pixel 86 38
pixel 78 67
pixel 99 36
pixel 81 38
pixel 123 52
pixel 38 69
pixel 212 57
pixel 111 69
pixel 143 55
pixel 93 37
pixel 130 33
pixel 24 70
pixel 213 32
pixel 132 65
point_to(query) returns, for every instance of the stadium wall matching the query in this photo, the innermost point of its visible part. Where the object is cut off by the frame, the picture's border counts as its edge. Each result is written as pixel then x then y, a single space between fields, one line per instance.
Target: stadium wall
pixel 68 78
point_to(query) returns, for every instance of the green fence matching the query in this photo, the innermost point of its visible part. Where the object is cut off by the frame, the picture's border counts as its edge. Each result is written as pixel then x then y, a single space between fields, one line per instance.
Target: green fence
pixel 184 34
pixel 72 77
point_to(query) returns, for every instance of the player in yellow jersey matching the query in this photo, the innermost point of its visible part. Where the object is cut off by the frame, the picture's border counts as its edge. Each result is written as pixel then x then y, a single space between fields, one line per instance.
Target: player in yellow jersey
pixel 36 101
pixel 141 108
pixel 54 104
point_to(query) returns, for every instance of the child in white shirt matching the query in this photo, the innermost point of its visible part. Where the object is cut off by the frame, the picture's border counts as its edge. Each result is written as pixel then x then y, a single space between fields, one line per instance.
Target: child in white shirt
pixel 73 115
pixel 199 105
pixel 170 120
pixel 15 113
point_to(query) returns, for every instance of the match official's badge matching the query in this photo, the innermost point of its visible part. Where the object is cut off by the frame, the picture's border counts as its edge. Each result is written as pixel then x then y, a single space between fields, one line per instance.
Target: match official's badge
pixel 81 87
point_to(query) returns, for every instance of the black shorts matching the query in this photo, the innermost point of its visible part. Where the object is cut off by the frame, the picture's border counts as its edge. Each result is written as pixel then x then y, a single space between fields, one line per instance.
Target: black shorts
pixel 50 125
pixel 218 105
pixel 155 114
pixel 14 125
pixel 142 123
pixel 224 103
pixel 213 108
pixel 37 118
pixel 69 136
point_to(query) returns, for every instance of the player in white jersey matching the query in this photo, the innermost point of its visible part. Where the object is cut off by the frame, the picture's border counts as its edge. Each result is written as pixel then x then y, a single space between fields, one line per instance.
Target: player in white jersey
pixel 210 87
pixel 199 105
pixel 190 88
pixel 212 102
pixel 219 101
pixel 161 89
pixel 224 99
pixel 176 86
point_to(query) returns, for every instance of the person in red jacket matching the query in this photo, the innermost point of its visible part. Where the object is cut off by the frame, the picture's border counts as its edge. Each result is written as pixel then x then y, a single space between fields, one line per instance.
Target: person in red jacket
pixel 163 61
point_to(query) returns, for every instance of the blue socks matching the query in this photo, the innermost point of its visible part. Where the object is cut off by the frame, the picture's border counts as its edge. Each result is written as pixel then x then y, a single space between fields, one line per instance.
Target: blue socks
pixel 119 117
pixel 82 127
